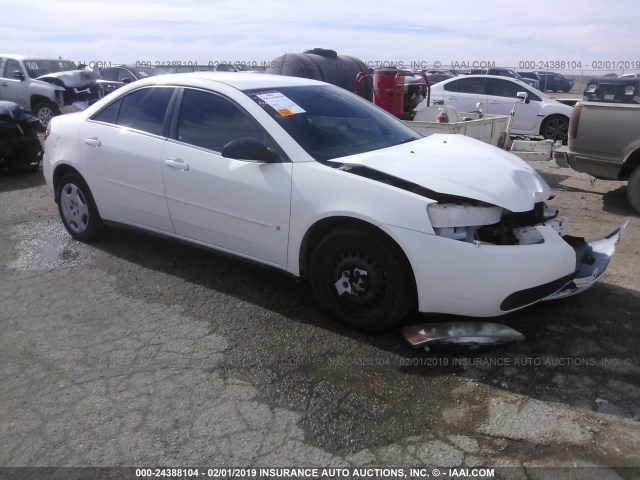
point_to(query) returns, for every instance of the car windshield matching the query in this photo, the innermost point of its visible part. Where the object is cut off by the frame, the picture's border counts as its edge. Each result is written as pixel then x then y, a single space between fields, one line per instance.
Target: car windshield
pixel 329 122
pixel 38 67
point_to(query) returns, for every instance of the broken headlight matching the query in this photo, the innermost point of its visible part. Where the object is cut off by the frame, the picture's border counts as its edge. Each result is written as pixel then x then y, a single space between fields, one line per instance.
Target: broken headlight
pixel 478 222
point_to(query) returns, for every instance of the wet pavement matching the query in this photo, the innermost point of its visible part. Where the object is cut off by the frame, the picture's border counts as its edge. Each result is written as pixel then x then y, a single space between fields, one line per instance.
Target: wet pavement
pixel 136 351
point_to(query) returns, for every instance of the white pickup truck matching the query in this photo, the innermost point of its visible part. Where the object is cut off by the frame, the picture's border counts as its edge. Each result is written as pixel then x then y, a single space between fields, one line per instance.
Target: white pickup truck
pixel 47 87
pixel 604 141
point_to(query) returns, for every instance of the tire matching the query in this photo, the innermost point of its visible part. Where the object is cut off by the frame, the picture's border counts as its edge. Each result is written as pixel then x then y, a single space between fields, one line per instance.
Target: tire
pixel 633 189
pixel 555 127
pixel 362 279
pixel 78 209
pixel 45 111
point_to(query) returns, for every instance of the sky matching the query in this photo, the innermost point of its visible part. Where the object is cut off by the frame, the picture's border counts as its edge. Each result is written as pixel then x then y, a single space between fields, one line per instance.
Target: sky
pixel 584 34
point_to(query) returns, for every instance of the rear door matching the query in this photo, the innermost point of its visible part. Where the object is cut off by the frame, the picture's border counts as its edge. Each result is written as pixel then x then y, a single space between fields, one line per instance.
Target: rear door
pixel 236 205
pixel 122 148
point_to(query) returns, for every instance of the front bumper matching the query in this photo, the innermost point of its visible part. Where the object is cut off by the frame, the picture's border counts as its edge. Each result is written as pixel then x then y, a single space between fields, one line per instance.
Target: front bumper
pixel 592 259
pixel 485 280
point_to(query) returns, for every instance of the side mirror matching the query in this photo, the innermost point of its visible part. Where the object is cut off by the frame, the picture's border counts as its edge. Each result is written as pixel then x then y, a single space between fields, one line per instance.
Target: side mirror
pixel 126 80
pixel 18 75
pixel 524 98
pixel 247 148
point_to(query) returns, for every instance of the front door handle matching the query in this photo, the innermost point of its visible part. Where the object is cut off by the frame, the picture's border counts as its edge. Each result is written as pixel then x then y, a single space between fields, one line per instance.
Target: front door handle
pixel 451 98
pixel 4 84
pixel 92 141
pixel 177 163
pixel 493 102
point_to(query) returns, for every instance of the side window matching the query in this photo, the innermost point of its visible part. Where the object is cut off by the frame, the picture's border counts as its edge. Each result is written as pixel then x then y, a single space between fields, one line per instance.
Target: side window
pixel 124 74
pixel 472 85
pixel 110 74
pixel 211 121
pixel 10 67
pixel 145 109
pixel 452 86
pixel 503 88
pixel 108 114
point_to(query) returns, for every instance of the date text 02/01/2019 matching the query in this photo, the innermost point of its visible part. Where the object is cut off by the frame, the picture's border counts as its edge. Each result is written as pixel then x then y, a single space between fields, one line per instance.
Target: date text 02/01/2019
pixel 578 64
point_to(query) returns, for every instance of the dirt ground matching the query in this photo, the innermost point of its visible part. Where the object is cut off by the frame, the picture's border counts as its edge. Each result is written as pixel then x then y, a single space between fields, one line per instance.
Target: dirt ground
pixel 135 351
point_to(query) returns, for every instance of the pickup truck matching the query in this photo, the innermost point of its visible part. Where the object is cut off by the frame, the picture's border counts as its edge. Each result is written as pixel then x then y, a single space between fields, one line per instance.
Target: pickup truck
pixel 47 87
pixel 604 141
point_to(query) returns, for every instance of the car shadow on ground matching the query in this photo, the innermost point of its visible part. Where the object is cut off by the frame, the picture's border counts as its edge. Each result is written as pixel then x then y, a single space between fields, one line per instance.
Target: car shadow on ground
pixel 615 201
pixel 20 179
pixel 581 351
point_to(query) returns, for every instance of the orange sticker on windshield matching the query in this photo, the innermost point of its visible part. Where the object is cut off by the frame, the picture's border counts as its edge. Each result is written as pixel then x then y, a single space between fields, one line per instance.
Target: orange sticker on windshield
pixel 285 112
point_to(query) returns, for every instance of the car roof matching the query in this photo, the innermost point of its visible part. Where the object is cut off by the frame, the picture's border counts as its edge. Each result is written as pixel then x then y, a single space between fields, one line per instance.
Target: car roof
pixel 239 80
pixel 32 57
pixel 499 77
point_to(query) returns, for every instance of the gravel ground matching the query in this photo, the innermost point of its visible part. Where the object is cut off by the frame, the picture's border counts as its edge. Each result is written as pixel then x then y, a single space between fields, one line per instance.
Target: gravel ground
pixel 136 351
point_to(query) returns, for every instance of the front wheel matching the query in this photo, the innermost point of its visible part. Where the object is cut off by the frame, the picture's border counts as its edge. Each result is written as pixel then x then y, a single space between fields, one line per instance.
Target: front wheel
pixel 45 111
pixel 633 189
pixel 362 279
pixel 555 127
pixel 77 208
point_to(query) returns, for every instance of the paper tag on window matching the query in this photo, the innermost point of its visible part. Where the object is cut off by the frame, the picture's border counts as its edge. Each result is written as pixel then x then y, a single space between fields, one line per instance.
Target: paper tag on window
pixel 281 104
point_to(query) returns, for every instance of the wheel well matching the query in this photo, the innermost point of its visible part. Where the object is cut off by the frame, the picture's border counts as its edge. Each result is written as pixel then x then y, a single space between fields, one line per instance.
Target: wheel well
pixel 36 99
pixel 633 161
pixel 60 171
pixel 321 228
pixel 549 117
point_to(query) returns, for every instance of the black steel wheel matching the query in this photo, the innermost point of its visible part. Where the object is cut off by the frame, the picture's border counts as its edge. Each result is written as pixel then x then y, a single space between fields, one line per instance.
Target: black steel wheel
pixel 362 279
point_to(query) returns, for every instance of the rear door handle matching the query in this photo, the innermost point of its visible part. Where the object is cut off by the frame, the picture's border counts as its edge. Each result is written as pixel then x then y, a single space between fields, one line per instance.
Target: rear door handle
pixel 451 98
pixel 176 163
pixel 493 102
pixel 92 141
pixel 4 84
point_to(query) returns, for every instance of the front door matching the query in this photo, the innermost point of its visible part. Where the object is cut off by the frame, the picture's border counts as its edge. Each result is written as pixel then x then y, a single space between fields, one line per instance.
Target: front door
pixel 235 205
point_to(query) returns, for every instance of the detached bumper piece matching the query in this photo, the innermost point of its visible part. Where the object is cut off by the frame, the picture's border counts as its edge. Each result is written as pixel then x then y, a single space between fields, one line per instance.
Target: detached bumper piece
pixel 460 334
pixel 592 258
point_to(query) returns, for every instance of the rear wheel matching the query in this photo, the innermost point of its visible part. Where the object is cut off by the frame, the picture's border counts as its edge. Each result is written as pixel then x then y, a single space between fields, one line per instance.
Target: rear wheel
pixel 77 208
pixel 633 189
pixel 362 279
pixel 555 127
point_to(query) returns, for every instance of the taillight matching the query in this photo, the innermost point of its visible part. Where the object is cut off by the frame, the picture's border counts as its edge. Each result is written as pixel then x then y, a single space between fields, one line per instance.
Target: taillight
pixel 574 121
pixel 47 130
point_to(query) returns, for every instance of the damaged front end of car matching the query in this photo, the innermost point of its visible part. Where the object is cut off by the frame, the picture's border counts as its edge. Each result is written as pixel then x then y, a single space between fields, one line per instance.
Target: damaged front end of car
pixel 80 88
pixel 491 228
pixel 19 144
pixel 482 224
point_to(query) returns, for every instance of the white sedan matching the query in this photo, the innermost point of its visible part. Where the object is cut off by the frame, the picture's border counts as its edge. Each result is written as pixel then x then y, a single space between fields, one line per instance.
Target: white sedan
pixel 539 115
pixel 316 181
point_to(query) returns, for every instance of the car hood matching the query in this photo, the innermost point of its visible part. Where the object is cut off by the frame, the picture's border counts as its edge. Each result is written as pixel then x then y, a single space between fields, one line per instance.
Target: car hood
pixel 72 78
pixel 461 166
